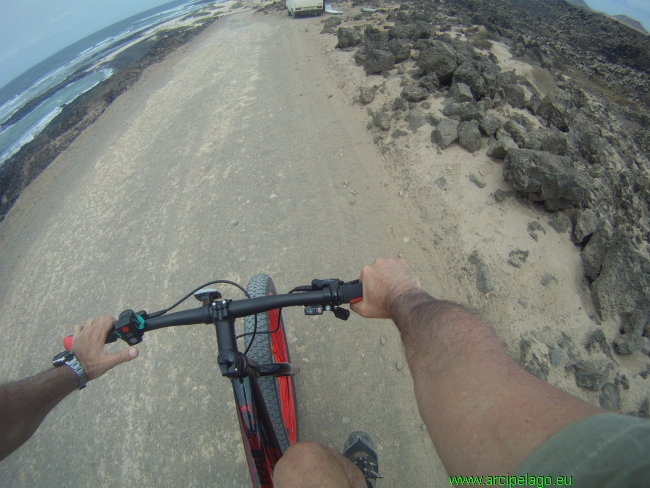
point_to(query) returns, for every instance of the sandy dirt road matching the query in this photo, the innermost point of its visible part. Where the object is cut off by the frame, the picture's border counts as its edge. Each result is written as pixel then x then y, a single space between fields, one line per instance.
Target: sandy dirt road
pixel 225 160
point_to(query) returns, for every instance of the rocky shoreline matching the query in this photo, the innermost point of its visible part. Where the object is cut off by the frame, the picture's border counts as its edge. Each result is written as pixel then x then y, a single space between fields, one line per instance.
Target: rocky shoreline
pixel 24 166
pixel 580 149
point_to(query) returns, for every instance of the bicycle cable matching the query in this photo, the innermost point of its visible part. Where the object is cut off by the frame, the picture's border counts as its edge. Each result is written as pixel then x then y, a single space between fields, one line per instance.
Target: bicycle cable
pixel 163 312
pixel 254 333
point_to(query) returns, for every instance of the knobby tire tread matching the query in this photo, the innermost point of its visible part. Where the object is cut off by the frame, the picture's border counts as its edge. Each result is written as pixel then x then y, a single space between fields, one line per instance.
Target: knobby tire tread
pixel 260 285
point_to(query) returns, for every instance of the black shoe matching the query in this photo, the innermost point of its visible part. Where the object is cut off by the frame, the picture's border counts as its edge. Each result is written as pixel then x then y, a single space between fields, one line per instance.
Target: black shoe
pixel 361 451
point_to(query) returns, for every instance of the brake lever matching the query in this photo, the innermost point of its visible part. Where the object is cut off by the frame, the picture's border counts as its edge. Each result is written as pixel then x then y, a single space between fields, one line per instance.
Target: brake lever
pixel 341 313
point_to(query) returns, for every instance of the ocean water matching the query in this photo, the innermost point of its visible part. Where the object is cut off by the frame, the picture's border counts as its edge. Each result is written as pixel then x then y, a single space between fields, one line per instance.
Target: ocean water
pixel 32 100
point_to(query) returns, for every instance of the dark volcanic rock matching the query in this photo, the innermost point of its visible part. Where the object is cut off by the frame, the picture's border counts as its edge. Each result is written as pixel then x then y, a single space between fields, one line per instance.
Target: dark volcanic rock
pixel 590 375
pixel 430 82
pixel 375 38
pixel 560 222
pixel 367 94
pixel 517 132
pixel 421 31
pixel 378 60
pixel 414 93
pixel 588 141
pixel 401 31
pixel 469 135
pixel 595 250
pixel 489 124
pixel 400 49
pixel 623 286
pixel 400 104
pixel 330 25
pixel 514 95
pixel 542 176
pixel 586 222
pixel 381 120
pixel 440 59
pixel 610 397
pixel 554 113
pixel 479 75
pixel 348 37
pixel 499 148
pixel 445 133
pixel 460 92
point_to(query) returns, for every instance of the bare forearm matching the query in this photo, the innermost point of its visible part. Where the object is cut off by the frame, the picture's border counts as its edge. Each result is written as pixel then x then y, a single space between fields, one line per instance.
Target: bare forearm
pixel 24 404
pixel 484 413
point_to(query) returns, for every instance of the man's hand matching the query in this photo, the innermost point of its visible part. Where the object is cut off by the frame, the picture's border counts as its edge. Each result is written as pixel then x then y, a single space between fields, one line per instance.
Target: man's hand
pixel 88 347
pixel 383 282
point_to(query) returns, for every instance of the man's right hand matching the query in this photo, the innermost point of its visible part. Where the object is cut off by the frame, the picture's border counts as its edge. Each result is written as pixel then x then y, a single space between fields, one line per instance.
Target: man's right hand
pixel 383 283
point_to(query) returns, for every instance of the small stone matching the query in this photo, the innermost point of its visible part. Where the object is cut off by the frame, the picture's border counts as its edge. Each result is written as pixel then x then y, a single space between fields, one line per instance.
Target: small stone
pixel 441 182
pixel 547 279
pixel 399 366
pixel 367 94
pixel 406 239
pixel 484 278
pixel 590 375
pixel 400 255
pixel 596 341
pixel 533 227
pixel 273 195
pixel 556 357
pixel 352 202
pixel 382 341
pixel 627 344
pixel 476 181
pixel 354 192
pixel 625 382
pixel 346 183
pixel 235 223
pixel 346 420
pixel 423 427
pixel 517 258
pixel 501 195
pixel 610 397
pixel 523 302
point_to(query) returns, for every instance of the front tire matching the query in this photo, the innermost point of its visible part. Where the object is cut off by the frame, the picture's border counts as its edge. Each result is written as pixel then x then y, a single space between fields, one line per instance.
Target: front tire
pixel 278 391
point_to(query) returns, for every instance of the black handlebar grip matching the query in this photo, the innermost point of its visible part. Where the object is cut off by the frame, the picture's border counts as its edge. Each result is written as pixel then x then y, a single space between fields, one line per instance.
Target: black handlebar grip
pixel 352 293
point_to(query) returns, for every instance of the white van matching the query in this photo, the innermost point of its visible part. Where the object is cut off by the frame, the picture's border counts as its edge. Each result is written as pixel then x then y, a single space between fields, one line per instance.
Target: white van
pixel 299 7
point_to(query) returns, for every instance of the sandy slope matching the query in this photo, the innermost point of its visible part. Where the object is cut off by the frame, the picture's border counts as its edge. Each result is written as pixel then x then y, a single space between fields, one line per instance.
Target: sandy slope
pixel 460 218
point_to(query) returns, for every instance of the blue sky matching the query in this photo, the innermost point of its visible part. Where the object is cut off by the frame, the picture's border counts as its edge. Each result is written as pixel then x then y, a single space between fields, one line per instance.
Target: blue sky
pixel 637 9
pixel 32 30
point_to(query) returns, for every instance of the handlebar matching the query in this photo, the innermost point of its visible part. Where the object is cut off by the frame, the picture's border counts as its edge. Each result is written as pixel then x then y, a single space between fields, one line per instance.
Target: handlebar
pixel 326 293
